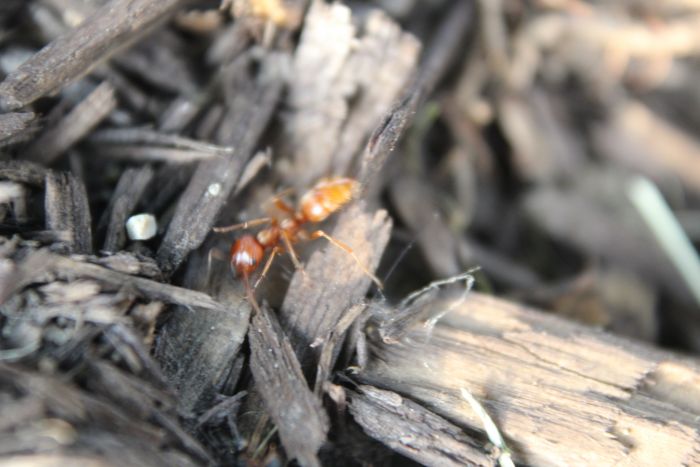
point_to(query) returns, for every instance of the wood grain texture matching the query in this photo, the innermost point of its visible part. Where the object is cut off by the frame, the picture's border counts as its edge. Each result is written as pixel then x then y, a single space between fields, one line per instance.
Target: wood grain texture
pixel 115 25
pixel 332 281
pixel 561 393
pixel 296 411
pixel 67 209
pixel 412 430
pixel 346 77
pixel 80 121
pixel 209 188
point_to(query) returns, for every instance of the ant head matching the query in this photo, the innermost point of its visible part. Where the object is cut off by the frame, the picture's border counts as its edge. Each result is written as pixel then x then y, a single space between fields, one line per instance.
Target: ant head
pixel 246 254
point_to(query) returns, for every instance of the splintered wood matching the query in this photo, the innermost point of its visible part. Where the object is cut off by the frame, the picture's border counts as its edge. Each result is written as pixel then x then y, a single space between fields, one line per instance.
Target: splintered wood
pixel 284 390
pixel 414 431
pixel 67 209
pixel 112 27
pixel 310 312
pixel 562 394
pixel 342 86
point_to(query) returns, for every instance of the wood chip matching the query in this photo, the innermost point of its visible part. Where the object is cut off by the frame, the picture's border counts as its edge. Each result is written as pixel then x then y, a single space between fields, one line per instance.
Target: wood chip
pixel 12 124
pixel 332 281
pixel 115 25
pixel 561 393
pixel 214 180
pixel 74 126
pixel 67 209
pixel 284 391
pixel 327 127
pixel 413 430
pixel 23 172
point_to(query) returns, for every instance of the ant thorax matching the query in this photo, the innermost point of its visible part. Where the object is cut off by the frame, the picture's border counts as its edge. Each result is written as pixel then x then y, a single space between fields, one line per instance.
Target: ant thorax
pixel 269 237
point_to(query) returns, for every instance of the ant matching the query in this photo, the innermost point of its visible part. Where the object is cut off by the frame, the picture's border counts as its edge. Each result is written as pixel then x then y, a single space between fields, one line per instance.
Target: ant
pixel 316 205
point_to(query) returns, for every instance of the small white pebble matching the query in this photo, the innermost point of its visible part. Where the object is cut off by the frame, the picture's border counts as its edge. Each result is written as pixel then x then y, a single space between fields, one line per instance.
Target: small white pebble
pixel 141 227
pixel 214 189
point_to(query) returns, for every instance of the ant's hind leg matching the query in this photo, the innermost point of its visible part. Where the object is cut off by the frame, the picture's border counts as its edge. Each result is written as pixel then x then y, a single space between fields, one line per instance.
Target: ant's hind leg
pixel 348 250
pixel 242 225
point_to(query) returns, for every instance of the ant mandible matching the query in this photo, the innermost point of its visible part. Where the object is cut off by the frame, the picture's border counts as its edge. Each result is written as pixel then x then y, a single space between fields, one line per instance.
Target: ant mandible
pixel 323 199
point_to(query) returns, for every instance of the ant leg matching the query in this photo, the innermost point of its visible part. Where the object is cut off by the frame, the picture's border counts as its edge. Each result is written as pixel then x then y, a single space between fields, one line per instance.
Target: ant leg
pixel 282 205
pixel 292 254
pixel 278 202
pixel 268 263
pixel 343 246
pixel 242 225
pixel 250 294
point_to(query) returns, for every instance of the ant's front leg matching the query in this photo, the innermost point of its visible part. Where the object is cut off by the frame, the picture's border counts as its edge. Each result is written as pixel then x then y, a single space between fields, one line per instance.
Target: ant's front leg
pixel 292 254
pixel 321 234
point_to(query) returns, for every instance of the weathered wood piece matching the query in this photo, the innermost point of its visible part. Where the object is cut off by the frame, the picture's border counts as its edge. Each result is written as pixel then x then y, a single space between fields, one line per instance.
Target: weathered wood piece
pixel 147 137
pixel 196 347
pixel 74 126
pixel 67 209
pixel 332 281
pixel 561 393
pixel 86 428
pixel 72 55
pixel 284 391
pixel 69 269
pixel 126 195
pixel 148 154
pixel 440 53
pixel 544 146
pixel 23 172
pixel 12 124
pixel 331 347
pixel 246 117
pixel 345 79
pixel 412 430
pixel 414 199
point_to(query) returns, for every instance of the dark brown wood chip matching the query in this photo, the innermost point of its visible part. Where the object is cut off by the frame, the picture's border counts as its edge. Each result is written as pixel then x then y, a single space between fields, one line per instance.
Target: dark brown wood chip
pixel 413 430
pixel 295 410
pixel 74 126
pixel 67 208
pixel 115 25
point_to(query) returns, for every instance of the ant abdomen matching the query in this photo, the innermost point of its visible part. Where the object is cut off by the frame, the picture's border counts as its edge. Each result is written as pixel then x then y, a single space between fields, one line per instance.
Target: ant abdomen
pixel 326 197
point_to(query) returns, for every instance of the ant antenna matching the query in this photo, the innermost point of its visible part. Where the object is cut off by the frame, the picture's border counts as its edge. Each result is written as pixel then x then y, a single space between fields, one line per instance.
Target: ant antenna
pixel 395 264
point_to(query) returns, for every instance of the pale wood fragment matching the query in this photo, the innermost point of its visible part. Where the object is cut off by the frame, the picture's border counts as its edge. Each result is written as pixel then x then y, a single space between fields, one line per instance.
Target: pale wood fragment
pixel 561 393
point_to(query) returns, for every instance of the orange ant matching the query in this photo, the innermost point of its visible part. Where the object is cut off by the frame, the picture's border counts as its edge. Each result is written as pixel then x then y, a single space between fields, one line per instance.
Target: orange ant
pixel 326 197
